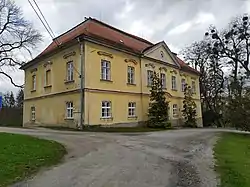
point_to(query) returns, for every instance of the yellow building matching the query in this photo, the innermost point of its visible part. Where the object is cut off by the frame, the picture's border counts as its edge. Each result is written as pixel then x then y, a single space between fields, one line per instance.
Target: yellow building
pixel 115 67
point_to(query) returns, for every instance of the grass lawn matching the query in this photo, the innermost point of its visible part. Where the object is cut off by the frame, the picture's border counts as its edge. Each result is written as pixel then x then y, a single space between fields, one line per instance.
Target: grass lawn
pixel 21 156
pixel 109 129
pixel 232 153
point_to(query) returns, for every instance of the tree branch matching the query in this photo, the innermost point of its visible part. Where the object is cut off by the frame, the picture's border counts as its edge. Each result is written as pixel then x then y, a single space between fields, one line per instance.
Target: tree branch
pixel 11 80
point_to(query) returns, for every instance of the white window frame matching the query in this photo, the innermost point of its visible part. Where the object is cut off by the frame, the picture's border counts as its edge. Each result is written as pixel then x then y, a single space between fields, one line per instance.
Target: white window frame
pixel 33 113
pixel 193 87
pixel 33 82
pixel 105 70
pixel 173 80
pixel 150 77
pixel 70 71
pixel 131 75
pixel 175 110
pixel 132 109
pixel 183 85
pixel 69 110
pixel 106 112
pixel 163 80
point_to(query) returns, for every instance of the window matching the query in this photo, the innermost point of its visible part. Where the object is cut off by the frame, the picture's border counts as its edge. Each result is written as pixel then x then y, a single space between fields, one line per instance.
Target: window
pixel 174 87
pixel 162 54
pixel 163 80
pixel 150 77
pixel 131 109
pixel 183 85
pixel 33 113
pixel 193 87
pixel 70 71
pixel 106 109
pixel 69 110
pixel 105 70
pixel 48 78
pixel 131 75
pixel 34 82
pixel 175 110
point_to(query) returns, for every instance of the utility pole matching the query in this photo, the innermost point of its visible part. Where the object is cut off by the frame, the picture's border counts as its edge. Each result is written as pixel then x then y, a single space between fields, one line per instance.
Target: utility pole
pixel 82 66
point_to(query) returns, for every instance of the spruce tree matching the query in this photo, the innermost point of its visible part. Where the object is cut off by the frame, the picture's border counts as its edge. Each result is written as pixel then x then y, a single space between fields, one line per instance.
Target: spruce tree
pixel 19 98
pixel 158 106
pixel 189 108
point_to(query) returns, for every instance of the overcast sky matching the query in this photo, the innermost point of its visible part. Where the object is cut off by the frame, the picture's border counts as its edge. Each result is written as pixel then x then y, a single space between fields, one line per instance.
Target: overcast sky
pixel 177 22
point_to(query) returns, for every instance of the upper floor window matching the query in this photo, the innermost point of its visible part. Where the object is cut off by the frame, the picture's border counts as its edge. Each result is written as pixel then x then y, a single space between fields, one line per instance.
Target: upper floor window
pixel 163 80
pixel 48 77
pixel 131 109
pixel 131 75
pixel 33 113
pixel 193 87
pixel 34 82
pixel 105 70
pixel 70 71
pixel 106 109
pixel 150 77
pixel 69 110
pixel 174 86
pixel 175 110
pixel 183 85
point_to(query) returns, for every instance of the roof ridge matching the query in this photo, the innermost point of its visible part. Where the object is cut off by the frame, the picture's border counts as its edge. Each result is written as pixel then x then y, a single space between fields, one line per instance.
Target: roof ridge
pixel 79 24
pixel 119 30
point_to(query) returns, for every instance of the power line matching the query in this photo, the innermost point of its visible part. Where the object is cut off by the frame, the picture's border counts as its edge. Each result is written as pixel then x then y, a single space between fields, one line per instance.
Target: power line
pixel 44 18
pixel 43 23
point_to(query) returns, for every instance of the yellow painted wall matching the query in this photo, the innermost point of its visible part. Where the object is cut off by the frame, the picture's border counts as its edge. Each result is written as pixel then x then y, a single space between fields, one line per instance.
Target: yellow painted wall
pixel 119 107
pixel 50 107
pixel 51 110
pixel 156 54
pixel 118 69
pixel 58 74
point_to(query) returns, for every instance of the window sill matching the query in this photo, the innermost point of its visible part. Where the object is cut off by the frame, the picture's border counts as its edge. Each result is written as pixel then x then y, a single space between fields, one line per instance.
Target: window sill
pixel 69 119
pixel 48 86
pixel 69 82
pixel 131 84
pixel 33 91
pixel 104 80
pixel 132 117
pixel 107 118
pixel 174 90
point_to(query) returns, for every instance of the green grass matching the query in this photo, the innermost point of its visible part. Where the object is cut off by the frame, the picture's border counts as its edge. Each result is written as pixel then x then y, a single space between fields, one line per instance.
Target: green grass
pixel 109 129
pixel 232 153
pixel 21 156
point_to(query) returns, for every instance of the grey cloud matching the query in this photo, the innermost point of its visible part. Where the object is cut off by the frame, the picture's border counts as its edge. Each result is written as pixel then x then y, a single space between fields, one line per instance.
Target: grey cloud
pixel 152 20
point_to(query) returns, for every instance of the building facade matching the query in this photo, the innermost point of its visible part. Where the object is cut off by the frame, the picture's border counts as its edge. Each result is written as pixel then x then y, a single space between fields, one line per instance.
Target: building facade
pixel 116 70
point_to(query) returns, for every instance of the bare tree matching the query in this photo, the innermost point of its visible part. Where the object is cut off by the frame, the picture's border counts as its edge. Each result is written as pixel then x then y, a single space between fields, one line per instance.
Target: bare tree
pixel 211 78
pixel 233 44
pixel 16 35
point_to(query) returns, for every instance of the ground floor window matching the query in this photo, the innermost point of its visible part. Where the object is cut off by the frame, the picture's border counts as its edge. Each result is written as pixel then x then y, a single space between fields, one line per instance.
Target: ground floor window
pixel 131 109
pixel 33 113
pixel 175 110
pixel 69 110
pixel 106 109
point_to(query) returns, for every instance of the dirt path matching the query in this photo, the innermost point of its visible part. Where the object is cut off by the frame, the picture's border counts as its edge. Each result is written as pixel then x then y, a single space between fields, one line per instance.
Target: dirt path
pixel 180 158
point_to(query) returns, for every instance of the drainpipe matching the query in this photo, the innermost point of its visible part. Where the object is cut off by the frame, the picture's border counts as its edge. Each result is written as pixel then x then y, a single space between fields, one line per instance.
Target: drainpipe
pixel 82 85
pixel 141 79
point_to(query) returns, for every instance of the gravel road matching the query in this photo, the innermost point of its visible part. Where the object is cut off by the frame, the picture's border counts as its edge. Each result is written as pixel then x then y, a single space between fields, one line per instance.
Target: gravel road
pixel 178 158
